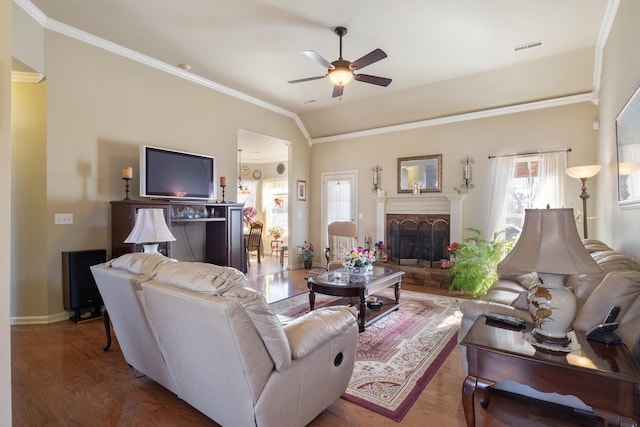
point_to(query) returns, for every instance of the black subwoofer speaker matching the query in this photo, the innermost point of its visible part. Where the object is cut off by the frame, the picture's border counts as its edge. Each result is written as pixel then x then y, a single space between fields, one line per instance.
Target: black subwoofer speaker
pixel 79 290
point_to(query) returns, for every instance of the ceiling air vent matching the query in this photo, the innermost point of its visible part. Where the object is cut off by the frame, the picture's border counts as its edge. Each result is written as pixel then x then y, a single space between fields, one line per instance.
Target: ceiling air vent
pixel 527 46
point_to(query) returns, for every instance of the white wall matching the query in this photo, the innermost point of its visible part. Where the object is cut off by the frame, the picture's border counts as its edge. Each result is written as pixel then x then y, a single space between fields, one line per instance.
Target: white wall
pixel 5 210
pixel 620 77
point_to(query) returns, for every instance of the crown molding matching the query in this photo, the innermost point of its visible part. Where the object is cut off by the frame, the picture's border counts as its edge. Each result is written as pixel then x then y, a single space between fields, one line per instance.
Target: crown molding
pixel 480 114
pixel 26 77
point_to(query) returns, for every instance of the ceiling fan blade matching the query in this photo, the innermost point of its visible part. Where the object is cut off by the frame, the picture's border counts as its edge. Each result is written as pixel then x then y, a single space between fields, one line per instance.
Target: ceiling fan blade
pixel 307 79
pixel 319 59
pixel 337 91
pixel 375 80
pixel 371 57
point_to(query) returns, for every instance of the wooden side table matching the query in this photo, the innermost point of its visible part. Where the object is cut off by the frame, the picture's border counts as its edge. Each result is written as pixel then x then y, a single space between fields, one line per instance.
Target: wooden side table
pixel 603 377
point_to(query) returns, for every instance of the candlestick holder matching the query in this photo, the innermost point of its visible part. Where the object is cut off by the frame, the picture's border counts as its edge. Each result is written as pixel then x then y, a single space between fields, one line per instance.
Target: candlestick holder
pixel 126 188
pixel 223 187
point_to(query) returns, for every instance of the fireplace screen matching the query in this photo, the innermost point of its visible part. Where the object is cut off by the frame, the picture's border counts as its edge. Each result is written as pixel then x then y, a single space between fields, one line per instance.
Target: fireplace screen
pixel 418 241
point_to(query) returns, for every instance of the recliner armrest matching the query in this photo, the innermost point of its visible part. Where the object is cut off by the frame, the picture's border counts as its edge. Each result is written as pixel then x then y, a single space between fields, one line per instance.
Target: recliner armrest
pixel 314 329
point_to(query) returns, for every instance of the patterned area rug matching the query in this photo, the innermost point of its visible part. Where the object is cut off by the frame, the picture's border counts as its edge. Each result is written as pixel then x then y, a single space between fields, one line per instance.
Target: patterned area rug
pixel 397 355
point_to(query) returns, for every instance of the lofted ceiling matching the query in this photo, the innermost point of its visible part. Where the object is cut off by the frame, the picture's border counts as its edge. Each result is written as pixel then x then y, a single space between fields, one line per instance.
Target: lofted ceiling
pixel 255 46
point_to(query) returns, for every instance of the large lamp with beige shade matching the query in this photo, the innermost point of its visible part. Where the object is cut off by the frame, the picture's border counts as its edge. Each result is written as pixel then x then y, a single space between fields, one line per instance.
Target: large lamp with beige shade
pixel 550 246
pixel 583 173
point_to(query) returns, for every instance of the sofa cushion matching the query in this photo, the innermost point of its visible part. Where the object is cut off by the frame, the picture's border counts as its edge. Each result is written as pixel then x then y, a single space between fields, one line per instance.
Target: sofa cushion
pixel 267 324
pixel 140 263
pixel 228 282
pixel 201 277
pixel 621 288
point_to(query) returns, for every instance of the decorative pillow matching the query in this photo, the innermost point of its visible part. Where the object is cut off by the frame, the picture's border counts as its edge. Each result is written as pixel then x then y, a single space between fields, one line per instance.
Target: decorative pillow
pixel 140 263
pixel 528 280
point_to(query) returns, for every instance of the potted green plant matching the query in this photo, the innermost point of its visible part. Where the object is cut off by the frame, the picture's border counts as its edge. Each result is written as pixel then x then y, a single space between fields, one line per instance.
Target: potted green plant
pixel 476 261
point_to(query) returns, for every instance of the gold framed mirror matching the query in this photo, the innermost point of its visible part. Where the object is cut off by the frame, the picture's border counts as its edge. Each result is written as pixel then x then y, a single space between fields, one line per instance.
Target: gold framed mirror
pixel 420 174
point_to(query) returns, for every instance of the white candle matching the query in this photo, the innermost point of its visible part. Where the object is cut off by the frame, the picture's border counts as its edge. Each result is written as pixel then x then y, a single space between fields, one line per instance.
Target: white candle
pixel 127 172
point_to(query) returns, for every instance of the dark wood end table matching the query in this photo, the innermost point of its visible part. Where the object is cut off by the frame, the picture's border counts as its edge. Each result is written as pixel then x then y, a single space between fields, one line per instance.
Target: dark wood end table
pixel 342 283
pixel 603 377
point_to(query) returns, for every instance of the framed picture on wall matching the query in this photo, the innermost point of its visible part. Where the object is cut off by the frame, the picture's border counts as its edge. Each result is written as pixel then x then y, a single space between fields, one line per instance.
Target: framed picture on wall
pixel 301 190
pixel 628 143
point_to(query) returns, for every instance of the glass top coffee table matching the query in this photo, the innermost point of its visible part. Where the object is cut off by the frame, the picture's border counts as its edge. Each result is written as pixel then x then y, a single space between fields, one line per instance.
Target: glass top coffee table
pixel 342 283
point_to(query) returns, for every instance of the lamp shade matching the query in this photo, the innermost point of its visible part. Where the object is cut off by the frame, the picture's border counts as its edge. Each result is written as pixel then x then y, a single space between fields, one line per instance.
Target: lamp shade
pixel 150 227
pixel 580 172
pixel 549 243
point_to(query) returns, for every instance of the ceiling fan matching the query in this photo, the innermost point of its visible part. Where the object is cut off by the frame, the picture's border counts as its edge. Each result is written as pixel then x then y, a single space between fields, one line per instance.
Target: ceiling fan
pixel 341 71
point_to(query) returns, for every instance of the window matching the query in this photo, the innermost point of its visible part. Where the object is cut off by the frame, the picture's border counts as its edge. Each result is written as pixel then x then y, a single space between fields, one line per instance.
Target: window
pixel 525 182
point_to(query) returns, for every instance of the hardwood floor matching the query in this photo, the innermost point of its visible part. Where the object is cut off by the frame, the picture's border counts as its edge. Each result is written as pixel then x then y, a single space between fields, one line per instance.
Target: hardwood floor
pixel 61 377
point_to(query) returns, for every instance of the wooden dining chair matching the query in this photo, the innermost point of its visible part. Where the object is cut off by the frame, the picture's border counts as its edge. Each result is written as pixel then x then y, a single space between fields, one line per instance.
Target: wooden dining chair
pixel 254 241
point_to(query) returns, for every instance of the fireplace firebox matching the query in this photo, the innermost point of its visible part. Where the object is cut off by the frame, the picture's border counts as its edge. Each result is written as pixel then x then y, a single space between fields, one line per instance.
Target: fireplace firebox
pixel 417 239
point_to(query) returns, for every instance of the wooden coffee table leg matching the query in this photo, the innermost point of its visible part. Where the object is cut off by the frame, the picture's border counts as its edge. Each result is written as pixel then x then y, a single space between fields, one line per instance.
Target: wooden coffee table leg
pixel 312 300
pixel 362 313
pixel 396 291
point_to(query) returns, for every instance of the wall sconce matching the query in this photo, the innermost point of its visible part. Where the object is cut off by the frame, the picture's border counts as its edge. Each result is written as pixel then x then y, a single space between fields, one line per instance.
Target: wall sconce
pixel 466 174
pixel 376 177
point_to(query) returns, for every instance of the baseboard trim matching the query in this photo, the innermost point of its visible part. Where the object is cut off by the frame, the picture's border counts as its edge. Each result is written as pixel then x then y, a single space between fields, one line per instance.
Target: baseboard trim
pixel 39 320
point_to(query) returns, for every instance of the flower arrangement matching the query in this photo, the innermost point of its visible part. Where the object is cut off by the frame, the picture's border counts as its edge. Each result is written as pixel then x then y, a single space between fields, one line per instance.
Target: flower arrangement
pixel 380 252
pixel 249 213
pixel 276 231
pixel 306 251
pixel 451 249
pixel 358 258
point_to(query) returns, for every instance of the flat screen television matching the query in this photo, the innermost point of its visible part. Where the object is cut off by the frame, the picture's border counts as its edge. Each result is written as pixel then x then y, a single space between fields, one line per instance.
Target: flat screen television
pixel 172 174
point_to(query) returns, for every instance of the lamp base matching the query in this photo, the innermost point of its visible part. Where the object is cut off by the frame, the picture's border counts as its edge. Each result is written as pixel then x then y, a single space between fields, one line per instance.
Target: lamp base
pixel 553 308
pixel 545 339
pixel 151 249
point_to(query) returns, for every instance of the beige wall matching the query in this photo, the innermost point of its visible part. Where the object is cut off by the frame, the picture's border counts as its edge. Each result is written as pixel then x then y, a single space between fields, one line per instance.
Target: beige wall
pixel 28 197
pixel 620 77
pixel 100 108
pixel 551 128
pixel 5 210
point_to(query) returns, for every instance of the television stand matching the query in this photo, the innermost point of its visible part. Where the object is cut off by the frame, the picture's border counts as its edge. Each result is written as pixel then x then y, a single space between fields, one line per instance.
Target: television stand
pixel 224 240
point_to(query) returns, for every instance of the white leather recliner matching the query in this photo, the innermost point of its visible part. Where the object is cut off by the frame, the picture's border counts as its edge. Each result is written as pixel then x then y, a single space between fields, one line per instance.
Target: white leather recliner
pixel 228 355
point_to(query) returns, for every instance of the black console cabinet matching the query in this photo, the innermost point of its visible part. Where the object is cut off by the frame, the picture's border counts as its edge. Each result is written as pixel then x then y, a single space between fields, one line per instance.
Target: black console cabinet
pixel 224 240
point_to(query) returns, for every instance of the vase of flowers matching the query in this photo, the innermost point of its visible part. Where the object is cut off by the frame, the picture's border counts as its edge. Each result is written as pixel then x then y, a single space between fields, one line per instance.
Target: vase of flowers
pixel 359 260
pixel 381 253
pixel 276 231
pixel 306 253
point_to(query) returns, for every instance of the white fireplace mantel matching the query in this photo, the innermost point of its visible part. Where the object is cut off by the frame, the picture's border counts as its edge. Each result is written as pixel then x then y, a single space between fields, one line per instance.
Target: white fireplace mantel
pixel 421 204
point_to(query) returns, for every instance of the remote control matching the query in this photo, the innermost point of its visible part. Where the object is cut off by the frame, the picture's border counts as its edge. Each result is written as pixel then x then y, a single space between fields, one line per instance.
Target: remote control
pixel 503 318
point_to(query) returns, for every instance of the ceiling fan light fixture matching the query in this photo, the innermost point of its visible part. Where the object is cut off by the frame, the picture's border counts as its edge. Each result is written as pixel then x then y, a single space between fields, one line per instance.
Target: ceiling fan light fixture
pixel 341 76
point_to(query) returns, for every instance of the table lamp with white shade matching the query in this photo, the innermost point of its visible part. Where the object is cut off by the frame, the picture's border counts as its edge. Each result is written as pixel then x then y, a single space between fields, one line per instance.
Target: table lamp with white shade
pixel 150 229
pixel 550 246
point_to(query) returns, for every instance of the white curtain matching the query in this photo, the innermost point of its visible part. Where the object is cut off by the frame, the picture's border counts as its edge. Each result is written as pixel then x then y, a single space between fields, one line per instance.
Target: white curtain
pixel 503 171
pixel 550 186
pixel 553 180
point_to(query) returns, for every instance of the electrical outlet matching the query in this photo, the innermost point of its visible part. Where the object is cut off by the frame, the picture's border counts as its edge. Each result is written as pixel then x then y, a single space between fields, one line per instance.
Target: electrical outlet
pixel 63 219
